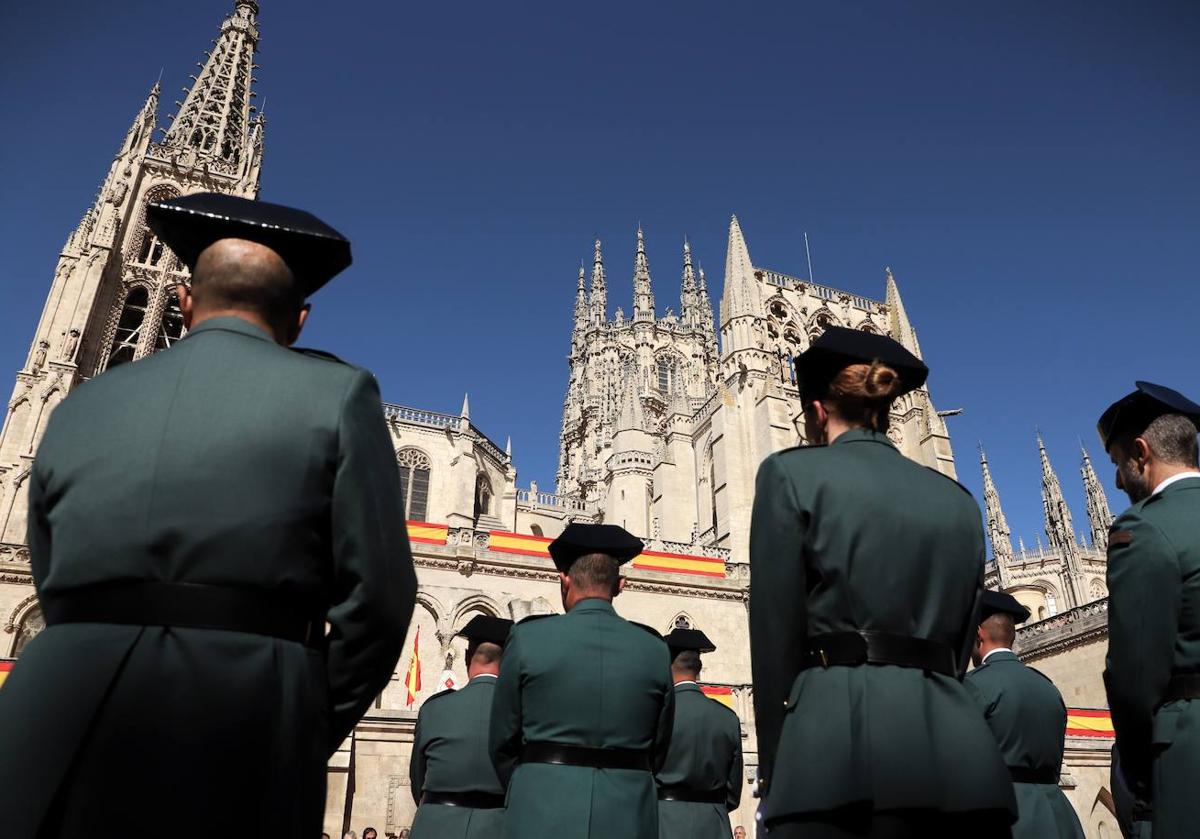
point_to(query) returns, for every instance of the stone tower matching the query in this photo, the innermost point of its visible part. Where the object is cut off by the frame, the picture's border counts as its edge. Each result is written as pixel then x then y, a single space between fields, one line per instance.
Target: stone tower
pixel 1059 530
pixel 1098 513
pixel 997 526
pixel 663 431
pixel 112 297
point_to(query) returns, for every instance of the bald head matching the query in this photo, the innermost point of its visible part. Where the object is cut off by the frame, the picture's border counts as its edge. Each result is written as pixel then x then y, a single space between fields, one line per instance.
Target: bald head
pixel 235 275
pixel 999 629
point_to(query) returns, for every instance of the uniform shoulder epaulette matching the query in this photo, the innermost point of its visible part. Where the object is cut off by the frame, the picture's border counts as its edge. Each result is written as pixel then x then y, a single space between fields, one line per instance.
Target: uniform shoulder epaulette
pixel 951 480
pixel 1043 675
pixel 328 356
pixel 439 695
pixel 532 618
pixel 650 629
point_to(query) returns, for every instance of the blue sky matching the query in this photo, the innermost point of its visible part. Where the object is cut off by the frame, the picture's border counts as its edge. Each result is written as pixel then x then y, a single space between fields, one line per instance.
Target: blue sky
pixel 1028 170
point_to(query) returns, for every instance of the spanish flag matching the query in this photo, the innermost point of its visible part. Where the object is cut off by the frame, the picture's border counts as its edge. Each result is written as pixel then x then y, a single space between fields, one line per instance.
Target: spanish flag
pixel 6 666
pixel 413 680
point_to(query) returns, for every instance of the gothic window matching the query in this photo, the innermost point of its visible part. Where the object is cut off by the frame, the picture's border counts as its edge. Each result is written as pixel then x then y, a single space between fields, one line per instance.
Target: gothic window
pixel 712 488
pixel 171 329
pixel 681 622
pixel 1097 591
pixel 536 529
pixel 31 624
pixel 129 327
pixel 1051 605
pixel 483 496
pixel 1041 613
pixel 778 309
pixel 414 482
pixel 152 251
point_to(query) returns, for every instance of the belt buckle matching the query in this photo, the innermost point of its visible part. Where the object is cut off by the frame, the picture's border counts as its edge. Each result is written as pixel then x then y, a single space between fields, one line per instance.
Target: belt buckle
pixel 824 658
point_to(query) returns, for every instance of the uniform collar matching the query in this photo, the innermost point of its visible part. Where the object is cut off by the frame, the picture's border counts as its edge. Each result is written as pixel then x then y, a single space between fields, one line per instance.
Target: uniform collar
pixel 1174 479
pixel 483 678
pixel 687 685
pixel 862 435
pixel 999 654
pixel 231 323
pixel 594 604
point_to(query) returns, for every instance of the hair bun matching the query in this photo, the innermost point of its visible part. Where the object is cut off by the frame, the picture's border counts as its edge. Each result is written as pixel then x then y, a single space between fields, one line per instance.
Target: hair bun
pixel 881 382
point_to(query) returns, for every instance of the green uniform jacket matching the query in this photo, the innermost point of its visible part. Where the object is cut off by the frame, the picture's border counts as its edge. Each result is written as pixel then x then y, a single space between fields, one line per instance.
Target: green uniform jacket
pixel 705 756
pixel 226 460
pixel 1154 631
pixel 588 678
pixel 1029 721
pixel 856 536
pixel 450 754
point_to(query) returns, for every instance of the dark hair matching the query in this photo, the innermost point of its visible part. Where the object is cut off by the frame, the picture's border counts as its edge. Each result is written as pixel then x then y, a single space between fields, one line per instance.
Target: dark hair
pixel 486 651
pixel 1000 628
pixel 862 394
pixel 1172 438
pixel 595 572
pixel 687 661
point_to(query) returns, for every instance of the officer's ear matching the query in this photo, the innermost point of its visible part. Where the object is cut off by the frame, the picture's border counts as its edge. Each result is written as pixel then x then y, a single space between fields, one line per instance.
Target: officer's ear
pixel 295 328
pixel 620 586
pixel 187 305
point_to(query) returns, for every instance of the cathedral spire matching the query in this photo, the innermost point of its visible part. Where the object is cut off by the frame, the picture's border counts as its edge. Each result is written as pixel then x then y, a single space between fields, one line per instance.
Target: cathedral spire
pixel 1098 513
pixel 214 121
pixel 581 305
pixel 1059 530
pixel 599 297
pixel 631 417
pixel 899 326
pixel 688 299
pixel 997 526
pixel 643 296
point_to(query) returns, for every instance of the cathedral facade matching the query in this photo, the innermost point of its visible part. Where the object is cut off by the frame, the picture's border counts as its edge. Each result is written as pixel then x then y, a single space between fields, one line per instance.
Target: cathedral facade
pixel 666 418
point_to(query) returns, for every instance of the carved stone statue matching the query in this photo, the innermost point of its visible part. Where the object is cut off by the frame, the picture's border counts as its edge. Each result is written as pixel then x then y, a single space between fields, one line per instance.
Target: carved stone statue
pixel 39 357
pixel 71 344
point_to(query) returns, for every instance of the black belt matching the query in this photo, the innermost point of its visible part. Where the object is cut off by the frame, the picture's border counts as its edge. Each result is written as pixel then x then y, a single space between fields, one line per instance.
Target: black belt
pixel 1025 775
pixel 850 649
pixel 1183 686
pixel 568 754
pixel 473 800
pixel 695 796
pixel 189 606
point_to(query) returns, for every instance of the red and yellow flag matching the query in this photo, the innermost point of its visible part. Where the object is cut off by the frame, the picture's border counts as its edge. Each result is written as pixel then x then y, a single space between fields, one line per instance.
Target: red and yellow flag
pixel 412 682
pixel 6 664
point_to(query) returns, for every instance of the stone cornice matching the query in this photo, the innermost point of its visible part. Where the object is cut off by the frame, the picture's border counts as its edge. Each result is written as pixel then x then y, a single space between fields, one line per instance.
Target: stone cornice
pixel 1064 631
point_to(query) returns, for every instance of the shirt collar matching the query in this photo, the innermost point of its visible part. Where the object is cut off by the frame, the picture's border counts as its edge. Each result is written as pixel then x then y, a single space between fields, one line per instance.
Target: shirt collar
pixel 993 652
pixel 594 604
pixel 1180 477
pixel 862 435
pixel 476 678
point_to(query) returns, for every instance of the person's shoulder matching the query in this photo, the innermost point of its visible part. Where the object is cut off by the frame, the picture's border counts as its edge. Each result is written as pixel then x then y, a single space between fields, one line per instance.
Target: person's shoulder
pixel 532 625
pixel 718 709
pixel 649 630
pixel 796 453
pixel 432 706
pixel 950 482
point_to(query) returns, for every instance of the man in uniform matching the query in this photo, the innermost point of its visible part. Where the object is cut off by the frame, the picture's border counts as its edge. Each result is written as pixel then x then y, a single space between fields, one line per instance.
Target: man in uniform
pixel 584 704
pixel 217 538
pixel 1152 672
pixel 701 781
pixel 453 779
pixel 1028 718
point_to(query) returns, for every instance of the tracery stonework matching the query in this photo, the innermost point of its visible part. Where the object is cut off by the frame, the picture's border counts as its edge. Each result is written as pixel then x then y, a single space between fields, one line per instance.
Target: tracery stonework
pixel 665 421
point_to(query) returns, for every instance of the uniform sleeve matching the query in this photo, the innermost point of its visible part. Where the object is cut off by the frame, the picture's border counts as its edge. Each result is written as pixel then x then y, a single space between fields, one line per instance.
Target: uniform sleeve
pixel 666 722
pixel 733 786
pixel 416 763
pixel 966 643
pixel 985 703
pixel 506 726
pixel 778 611
pixel 373 583
pixel 1143 619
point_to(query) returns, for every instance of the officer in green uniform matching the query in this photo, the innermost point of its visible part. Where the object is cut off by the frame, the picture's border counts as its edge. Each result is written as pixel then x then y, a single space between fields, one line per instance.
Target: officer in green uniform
pixel 217 539
pixel 453 779
pixel 866 571
pixel 1152 672
pixel 1028 719
pixel 701 781
pixel 584 704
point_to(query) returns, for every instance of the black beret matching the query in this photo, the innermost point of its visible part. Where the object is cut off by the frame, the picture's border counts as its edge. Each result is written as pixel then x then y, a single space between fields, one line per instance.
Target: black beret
pixel 1132 413
pixel 582 539
pixel 681 640
pixel 837 348
pixel 997 602
pixel 313 250
pixel 487 628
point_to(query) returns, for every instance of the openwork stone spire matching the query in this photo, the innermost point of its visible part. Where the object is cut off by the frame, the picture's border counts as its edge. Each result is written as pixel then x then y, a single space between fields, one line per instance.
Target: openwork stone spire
pixel 1098 513
pixel 599 298
pixel 214 120
pixel 899 326
pixel 688 299
pixel 1059 530
pixel 581 305
pixel 643 295
pixel 997 526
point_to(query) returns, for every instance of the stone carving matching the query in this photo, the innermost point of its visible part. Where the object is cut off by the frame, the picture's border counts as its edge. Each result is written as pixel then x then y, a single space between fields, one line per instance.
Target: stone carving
pixel 39 357
pixel 70 345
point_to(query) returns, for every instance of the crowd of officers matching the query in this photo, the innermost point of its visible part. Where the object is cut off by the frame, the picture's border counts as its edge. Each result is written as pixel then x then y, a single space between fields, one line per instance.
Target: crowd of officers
pixel 217 540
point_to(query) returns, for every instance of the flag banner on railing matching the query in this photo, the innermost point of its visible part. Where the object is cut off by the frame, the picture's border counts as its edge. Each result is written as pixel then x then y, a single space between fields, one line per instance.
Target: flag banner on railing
pixel 6 664
pixel 429 534
pixel 526 545
pixel 1089 722
pixel 721 694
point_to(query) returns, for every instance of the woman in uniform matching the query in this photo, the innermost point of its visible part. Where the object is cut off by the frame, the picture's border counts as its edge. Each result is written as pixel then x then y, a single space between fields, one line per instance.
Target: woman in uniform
pixel 866 572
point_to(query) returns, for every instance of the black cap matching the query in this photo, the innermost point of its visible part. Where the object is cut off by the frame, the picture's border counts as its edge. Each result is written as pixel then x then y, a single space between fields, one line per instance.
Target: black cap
pixel 1132 413
pixel 487 628
pixel 582 539
pixel 313 250
pixel 837 348
pixel 997 602
pixel 683 640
